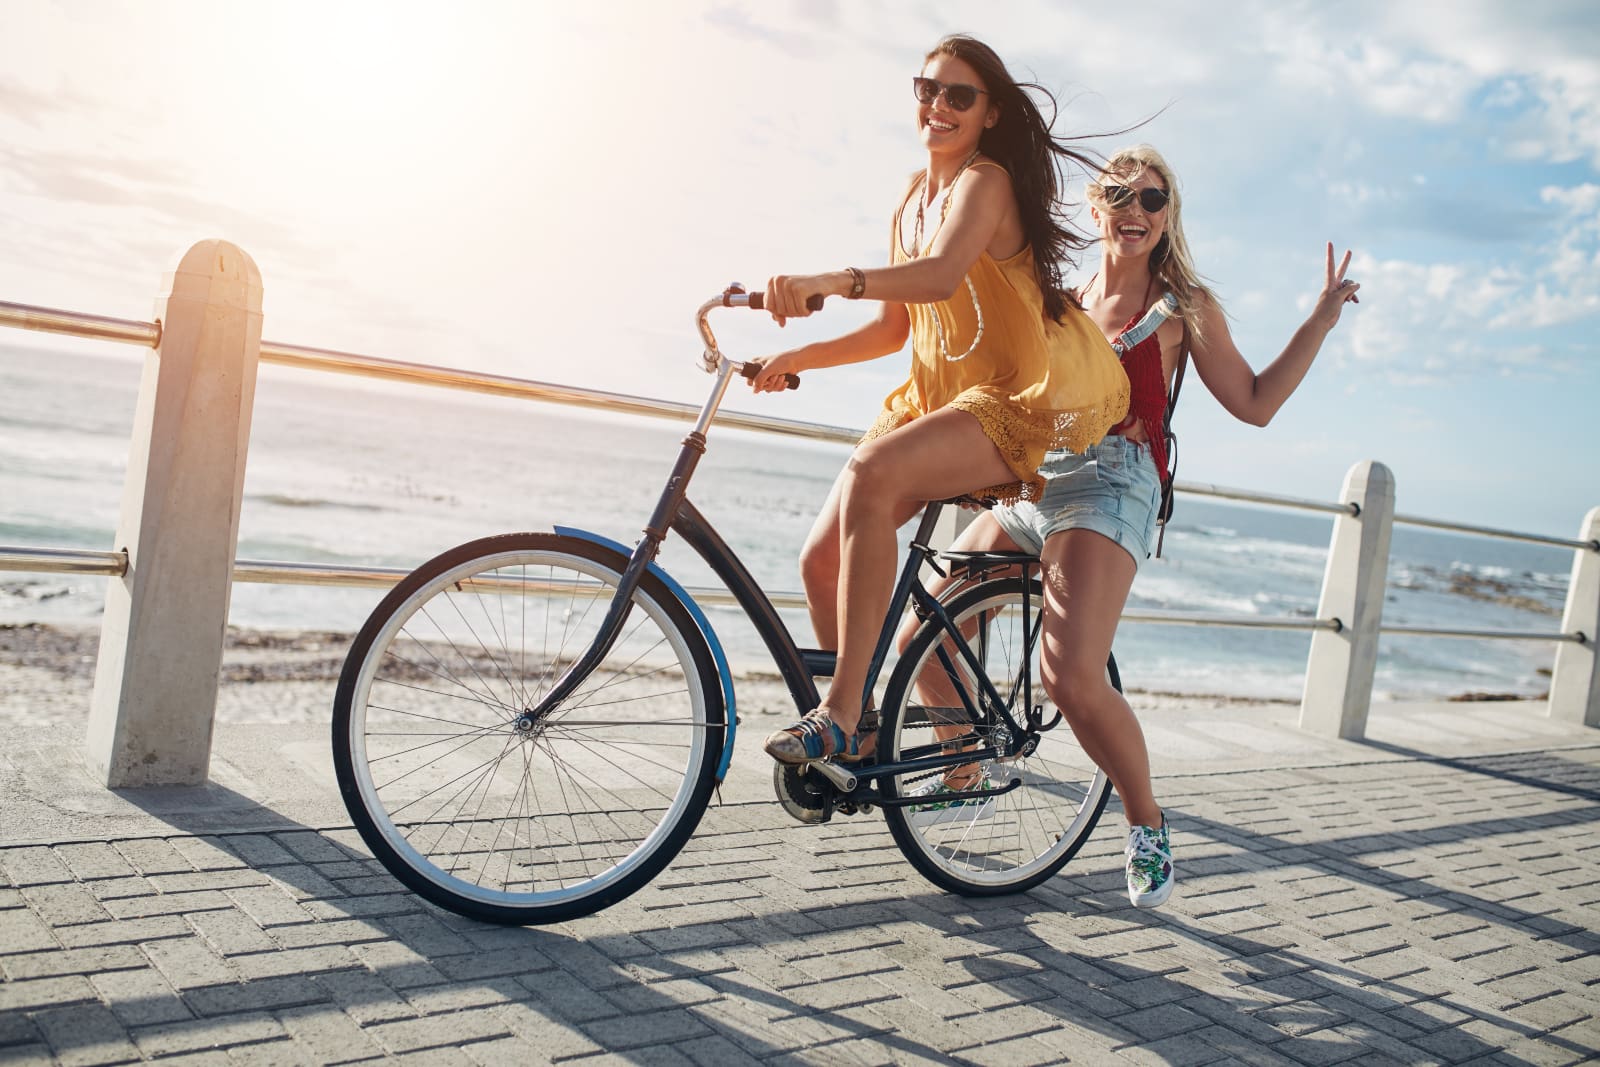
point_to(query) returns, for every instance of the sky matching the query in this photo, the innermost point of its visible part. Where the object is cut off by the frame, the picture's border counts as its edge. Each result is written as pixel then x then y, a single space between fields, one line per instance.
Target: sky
pixel 549 191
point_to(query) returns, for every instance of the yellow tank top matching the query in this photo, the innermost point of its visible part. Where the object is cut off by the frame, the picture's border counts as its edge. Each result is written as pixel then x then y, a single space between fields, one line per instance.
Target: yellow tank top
pixel 1034 384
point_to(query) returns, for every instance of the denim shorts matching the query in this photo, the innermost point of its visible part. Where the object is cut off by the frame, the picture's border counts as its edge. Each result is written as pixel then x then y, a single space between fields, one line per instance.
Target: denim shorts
pixel 1112 488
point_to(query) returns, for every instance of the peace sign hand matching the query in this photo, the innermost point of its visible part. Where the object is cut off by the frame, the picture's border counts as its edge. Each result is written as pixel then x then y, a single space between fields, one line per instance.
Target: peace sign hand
pixel 1336 292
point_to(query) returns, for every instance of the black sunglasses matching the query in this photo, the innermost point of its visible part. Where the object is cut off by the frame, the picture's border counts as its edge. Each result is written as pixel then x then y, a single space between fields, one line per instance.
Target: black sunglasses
pixel 1120 196
pixel 959 97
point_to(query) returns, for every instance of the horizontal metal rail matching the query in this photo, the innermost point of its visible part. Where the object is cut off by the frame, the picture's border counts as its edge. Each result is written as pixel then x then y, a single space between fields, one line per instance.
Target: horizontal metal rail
pixel 77 324
pixel 1248 622
pixel 1496 635
pixel 1490 531
pixel 1253 497
pixel 62 561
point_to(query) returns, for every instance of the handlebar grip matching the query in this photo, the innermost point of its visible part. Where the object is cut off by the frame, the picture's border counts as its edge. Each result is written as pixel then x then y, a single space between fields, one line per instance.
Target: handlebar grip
pixel 757 299
pixel 790 381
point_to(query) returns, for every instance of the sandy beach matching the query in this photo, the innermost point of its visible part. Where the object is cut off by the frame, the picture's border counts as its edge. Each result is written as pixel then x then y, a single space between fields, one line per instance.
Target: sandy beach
pixel 47 675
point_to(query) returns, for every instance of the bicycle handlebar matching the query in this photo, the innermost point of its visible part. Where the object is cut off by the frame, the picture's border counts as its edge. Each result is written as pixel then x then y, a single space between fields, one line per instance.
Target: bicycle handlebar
pixel 756 301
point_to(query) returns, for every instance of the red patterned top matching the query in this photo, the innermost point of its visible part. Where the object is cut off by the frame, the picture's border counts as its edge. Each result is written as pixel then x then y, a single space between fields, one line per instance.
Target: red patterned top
pixel 1141 359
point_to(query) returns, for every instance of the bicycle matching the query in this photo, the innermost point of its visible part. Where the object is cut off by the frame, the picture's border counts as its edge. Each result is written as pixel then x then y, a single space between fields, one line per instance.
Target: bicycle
pixel 529 727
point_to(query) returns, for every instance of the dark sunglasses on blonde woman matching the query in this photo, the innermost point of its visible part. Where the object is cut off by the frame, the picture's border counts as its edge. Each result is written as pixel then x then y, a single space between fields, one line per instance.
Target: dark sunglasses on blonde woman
pixel 1120 196
pixel 960 97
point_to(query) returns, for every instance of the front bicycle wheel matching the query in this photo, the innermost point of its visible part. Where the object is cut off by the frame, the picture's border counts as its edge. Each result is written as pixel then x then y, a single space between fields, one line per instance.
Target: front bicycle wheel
pixel 475 806
pixel 1000 844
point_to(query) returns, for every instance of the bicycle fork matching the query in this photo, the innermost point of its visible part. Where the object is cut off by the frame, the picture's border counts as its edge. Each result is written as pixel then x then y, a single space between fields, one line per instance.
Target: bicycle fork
pixel 644 554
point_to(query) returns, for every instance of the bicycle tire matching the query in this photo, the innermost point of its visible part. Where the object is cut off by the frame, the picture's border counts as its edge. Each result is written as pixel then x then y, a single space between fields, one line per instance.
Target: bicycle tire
pixel 556 820
pixel 1015 841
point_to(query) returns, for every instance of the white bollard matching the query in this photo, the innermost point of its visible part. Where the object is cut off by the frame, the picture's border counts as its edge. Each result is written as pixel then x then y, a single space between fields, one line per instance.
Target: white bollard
pixel 1575 681
pixel 1340 667
pixel 155 686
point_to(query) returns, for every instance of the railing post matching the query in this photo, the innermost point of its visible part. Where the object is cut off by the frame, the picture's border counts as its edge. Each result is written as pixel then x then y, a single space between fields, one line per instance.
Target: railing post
pixel 1575 681
pixel 1341 664
pixel 155 685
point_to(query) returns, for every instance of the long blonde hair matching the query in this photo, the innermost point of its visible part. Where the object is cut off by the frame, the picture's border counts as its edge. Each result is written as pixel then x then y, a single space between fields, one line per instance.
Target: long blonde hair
pixel 1170 261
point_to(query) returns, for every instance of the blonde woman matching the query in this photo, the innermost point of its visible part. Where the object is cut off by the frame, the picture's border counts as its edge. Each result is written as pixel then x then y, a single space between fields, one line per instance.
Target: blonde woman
pixel 1094 522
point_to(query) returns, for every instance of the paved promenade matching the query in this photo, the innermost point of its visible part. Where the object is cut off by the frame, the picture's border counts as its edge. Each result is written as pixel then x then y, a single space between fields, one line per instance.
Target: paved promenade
pixel 1432 896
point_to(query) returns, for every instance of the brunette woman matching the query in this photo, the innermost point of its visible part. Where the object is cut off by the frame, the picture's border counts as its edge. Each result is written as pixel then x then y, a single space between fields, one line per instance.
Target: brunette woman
pixel 1005 366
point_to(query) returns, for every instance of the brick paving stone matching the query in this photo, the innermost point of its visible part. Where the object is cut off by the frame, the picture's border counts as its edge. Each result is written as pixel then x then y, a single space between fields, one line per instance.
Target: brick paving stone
pixel 16 1028
pixel 302 882
pixel 326 1035
pixel 643 1029
pixel 142 907
pixel 230 933
pixel 141 997
pixel 372 907
pixel 258 850
pixel 196 881
pixel 507 962
pixel 93 860
pixel 269 906
pixel 71 961
pixel 85 1034
pixel 149 856
pixel 41 993
pixel 682 992
pixel 189 964
pixel 199 1034
pixel 311 847
pixel 555 1039
pixel 124 931
pixel 33 865
pixel 207 853
pixel 398 966
pixel 65 904
pixel 317 959
pixel 264 994
pixel 364 996
pixel 22 931
pixel 441 1031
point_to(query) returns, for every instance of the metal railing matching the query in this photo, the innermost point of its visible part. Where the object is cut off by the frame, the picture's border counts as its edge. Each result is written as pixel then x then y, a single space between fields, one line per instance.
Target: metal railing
pixel 148 335
pixel 1344 629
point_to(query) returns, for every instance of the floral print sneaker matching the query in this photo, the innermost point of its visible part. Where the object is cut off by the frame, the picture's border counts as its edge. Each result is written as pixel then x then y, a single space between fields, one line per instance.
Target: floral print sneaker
pixel 941 809
pixel 1150 875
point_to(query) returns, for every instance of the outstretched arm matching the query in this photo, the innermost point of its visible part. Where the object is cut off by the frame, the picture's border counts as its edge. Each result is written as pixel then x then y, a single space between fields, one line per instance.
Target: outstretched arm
pixel 980 202
pixel 1252 397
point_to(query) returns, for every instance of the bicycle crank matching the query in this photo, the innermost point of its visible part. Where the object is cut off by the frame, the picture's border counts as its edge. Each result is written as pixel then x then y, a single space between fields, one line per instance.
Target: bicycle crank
pixel 803 793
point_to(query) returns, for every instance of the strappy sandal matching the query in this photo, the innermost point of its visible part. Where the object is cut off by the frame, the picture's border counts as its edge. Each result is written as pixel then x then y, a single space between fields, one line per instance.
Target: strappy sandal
pixel 817 737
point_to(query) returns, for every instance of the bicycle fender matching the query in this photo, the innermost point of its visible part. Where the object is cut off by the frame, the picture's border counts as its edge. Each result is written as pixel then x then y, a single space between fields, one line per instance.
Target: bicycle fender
pixel 698 614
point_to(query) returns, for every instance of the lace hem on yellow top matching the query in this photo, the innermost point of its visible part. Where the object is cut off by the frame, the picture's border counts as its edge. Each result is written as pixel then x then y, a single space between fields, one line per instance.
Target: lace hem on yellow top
pixel 1033 384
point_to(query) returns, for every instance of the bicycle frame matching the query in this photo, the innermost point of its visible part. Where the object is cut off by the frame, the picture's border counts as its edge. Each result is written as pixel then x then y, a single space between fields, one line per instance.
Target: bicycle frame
pixel 798 667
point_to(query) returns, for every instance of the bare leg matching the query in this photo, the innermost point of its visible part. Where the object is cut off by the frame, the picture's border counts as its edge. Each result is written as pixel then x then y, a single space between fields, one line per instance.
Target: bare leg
pixel 887 480
pixel 819 570
pixel 1087 578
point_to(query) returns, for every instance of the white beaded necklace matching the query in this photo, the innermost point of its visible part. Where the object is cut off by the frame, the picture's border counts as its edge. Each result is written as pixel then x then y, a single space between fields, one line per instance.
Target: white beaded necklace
pixel 916 251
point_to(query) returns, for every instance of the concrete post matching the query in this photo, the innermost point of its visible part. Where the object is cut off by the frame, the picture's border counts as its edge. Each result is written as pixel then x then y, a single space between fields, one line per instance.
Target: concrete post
pixel 1340 667
pixel 155 686
pixel 1575 682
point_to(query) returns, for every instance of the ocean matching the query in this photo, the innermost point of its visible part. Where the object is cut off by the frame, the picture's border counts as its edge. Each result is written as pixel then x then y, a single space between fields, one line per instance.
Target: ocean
pixel 347 471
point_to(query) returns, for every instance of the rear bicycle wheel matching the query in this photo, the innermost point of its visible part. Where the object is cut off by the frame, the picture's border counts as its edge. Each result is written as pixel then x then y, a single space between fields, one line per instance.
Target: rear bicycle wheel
pixel 491 815
pixel 1007 843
